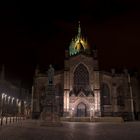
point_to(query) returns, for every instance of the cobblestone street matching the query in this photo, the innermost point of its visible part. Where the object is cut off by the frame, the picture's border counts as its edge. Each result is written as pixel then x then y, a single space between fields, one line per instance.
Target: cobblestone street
pixel 30 130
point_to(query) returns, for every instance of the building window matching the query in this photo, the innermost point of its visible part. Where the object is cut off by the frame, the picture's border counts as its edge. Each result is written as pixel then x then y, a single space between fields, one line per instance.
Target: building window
pixel 81 80
pixel 120 96
pixel 105 94
pixel 81 75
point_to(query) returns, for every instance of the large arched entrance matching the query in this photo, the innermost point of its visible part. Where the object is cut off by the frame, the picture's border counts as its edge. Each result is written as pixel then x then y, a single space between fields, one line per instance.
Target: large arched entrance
pixel 81 110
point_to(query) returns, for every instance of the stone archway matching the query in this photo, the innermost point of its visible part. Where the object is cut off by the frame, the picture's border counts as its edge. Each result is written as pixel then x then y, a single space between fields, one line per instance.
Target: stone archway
pixel 81 104
pixel 81 110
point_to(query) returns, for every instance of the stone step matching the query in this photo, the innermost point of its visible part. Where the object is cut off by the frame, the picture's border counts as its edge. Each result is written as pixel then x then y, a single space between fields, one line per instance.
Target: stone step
pixel 95 119
pixel 108 119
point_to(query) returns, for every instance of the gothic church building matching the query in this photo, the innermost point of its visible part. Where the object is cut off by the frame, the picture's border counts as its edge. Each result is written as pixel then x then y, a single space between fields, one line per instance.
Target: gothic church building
pixel 82 90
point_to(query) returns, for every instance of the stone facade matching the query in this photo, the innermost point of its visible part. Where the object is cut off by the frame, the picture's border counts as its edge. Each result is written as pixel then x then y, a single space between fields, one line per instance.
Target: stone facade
pixel 13 97
pixel 82 90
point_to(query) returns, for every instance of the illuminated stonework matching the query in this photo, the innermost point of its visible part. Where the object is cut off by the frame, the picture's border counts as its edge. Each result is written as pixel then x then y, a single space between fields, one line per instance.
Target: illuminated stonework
pixel 83 90
pixel 78 44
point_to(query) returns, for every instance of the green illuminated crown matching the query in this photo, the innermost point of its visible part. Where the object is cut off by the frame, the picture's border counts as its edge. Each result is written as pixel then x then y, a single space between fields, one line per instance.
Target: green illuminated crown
pixel 78 44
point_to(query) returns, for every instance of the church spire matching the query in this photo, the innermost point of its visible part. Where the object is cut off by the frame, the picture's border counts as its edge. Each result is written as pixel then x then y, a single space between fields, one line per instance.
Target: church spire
pixel 78 44
pixel 2 73
pixel 79 30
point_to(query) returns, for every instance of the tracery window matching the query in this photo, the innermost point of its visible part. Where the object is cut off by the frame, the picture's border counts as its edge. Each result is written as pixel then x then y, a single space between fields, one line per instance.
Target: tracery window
pixel 105 94
pixel 81 75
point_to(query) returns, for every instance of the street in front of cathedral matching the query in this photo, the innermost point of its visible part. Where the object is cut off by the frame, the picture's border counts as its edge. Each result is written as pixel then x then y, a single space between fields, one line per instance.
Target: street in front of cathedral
pixel 31 130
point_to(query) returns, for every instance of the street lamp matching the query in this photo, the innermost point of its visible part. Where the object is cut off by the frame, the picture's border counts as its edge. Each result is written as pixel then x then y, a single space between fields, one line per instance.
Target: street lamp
pixel 25 108
pixel 3 94
pixel 2 104
pixel 16 108
pixel 13 100
pixel 17 101
pixel 9 106
pixel 9 99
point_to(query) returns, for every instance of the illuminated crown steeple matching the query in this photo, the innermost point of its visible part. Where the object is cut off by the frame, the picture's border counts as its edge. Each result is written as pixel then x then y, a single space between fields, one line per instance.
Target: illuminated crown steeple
pixel 78 44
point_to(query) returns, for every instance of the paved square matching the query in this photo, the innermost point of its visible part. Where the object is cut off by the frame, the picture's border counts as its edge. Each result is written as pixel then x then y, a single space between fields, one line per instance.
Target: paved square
pixel 30 130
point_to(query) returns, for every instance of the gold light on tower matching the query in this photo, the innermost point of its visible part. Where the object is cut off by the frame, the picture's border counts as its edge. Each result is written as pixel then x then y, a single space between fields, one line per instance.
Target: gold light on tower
pixel 78 44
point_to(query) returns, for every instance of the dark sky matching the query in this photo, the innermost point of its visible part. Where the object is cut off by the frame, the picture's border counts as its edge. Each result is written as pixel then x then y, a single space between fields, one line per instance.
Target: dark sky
pixel 39 31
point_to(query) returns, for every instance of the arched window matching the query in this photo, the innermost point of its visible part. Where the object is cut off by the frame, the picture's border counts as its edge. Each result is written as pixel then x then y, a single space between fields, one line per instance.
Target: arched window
pixel 120 96
pixel 81 80
pixel 81 76
pixel 105 94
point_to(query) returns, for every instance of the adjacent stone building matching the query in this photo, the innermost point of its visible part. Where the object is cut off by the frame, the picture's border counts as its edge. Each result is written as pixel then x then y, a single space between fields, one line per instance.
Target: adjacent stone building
pixel 83 90
pixel 13 97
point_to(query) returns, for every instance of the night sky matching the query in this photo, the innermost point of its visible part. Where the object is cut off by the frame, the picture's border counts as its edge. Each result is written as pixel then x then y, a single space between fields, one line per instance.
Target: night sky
pixel 38 32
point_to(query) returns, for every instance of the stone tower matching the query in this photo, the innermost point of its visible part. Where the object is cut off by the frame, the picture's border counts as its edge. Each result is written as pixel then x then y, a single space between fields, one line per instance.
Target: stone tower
pixel 81 79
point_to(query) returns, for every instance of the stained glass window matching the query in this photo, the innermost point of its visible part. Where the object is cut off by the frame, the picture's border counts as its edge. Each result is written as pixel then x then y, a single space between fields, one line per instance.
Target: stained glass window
pixel 81 80
pixel 81 75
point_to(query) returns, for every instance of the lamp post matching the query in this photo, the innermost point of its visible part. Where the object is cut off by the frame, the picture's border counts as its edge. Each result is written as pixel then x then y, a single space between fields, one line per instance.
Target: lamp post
pixel 9 108
pixel 17 109
pixel 1 113
pixel 25 108
pixel 6 108
pixel 12 101
pixel 2 97
pixel 9 99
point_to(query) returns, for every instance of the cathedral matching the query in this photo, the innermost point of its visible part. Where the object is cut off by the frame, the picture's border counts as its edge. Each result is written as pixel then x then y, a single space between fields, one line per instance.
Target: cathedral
pixel 83 90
